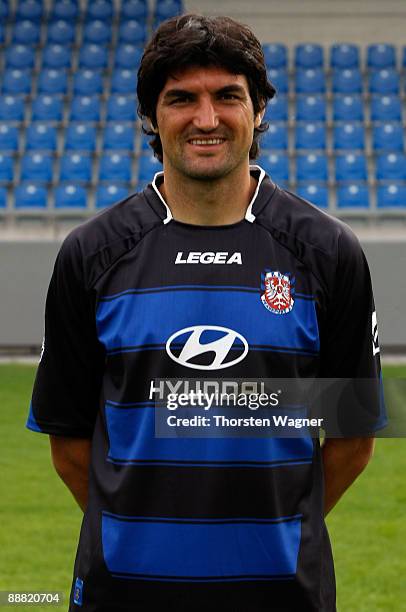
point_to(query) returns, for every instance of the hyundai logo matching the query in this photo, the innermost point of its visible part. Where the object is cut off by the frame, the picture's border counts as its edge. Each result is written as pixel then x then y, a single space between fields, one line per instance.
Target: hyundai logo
pixel 207 347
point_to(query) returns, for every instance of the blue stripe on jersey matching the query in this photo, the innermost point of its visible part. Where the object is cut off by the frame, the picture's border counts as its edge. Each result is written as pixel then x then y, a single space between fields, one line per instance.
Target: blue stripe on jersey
pixel 131 432
pixel 114 296
pixel 31 421
pixel 136 319
pixel 208 549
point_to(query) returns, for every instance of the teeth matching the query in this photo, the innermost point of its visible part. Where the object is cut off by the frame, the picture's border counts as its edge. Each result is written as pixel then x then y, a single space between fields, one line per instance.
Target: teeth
pixel 207 141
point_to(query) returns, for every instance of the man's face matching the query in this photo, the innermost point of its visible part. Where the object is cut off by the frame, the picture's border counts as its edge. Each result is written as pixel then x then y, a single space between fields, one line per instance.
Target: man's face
pixel 206 121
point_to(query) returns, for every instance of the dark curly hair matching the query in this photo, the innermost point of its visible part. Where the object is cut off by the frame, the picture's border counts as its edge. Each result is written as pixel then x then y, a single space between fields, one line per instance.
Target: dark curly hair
pixel 194 40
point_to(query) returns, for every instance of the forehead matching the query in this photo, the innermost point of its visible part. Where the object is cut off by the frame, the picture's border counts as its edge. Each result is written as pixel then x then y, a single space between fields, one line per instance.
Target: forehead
pixel 209 78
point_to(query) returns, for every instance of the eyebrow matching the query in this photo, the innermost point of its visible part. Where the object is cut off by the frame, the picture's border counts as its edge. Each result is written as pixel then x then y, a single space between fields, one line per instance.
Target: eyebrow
pixel 174 93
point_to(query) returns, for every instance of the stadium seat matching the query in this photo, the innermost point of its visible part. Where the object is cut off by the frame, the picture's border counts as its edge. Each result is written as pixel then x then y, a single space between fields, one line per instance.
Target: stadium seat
pixel 93 56
pixel 348 108
pixel 11 108
pixel 75 167
pixel 276 165
pixel 276 55
pixel 3 197
pixel 26 32
pixel 106 195
pixel 124 81
pixel 127 56
pixel 344 55
pixel 381 56
pixel 134 10
pixel 385 81
pixel 121 108
pixel 311 167
pixel 29 9
pixel 279 79
pixel 57 56
pixel 354 195
pixel 1 33
pixel 87 82
pixel 70 195
pixel 4 10
pixel 47 108
pixel 66 10
pixel 119 136
pixel 348 136
pixel 30 194
pixel 8 137
pixel 310 108
pixel 277 109
pixel 276 137
pixel 97 32
pixel 100 10
pixel 346 81
pixel 41 136
pixel 85 108
pixel 315 193
pixel 309 55
pixel 36 167
pixel 132 32
pixel 61 32
pixel 19 56
pixel 311 80
pixel 311 136
pixel 387 137
pixel 390 195
pixel 16 81
pixel 80 137
pixel 53 81
pixel 115 167
pixel 351 167
pixel 386 108
pixel 145 146
pixel 164 9
pixel 391 167
pixel 6 167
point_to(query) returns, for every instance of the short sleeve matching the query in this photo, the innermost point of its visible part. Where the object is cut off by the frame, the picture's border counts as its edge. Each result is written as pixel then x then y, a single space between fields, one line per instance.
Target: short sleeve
pixel 65 398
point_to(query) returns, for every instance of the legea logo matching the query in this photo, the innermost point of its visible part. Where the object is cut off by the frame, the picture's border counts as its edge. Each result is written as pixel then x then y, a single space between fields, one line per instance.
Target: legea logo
pixel 207 347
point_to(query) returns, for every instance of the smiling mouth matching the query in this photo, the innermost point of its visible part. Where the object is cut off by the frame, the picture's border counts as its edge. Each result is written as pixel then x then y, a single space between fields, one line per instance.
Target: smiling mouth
pixel 206 141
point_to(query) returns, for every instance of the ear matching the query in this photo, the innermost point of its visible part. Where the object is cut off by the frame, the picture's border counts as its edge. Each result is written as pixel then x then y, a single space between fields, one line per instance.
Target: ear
pixel 152 127
pixel 258 118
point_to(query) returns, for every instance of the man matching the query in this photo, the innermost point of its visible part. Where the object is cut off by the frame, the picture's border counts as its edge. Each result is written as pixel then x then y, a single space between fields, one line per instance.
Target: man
pixel 165 285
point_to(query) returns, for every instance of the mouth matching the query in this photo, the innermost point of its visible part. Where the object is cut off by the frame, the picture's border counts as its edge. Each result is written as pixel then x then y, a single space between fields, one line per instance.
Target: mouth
pixel 206 142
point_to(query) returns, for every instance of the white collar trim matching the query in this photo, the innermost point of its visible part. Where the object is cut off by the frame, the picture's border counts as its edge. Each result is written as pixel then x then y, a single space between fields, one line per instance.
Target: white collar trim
pixel 154 186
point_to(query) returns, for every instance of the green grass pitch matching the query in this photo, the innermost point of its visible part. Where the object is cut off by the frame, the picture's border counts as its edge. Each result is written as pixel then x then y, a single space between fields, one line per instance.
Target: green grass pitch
pixel 40 522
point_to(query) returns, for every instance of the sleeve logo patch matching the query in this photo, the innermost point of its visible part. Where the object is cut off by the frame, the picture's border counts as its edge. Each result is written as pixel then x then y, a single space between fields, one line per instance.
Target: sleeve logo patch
pixel 278 291
pixel 78 592
pixel 375 342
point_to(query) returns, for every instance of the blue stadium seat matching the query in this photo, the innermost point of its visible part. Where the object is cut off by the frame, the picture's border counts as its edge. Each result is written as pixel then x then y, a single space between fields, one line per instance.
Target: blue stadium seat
pixel 344 55
pixel 99 9
pixel 164 9
pixel 97 32
pixel 279 79
pixel 316 193
pixel 351 167
pixel 310 80
pixel 19 56
pixel 310 136
pixel 309 55
pixel 53 81
pixel 6 167
pixel 277 109
pixel 4 10
pixel 385 81
pixel 276 55
pixel 80 137
pixel 124 81
pixel 348 108
pixel 87 82
pixel 93 56
pixel 57 56
pixel 127 56
pixel 346 81
pixel 276 165
pixel 61 32
pixel 132 32
pixel 1 33
pixel 3 197
pixel 26 32
pixel 387 137
pixel 145 146
pixel 386 108
pixel 47 108
pixel 29 9
pixel 75 167
pixel 121 108
pixel 8 137
pixel 390 195
pixel 381 56
pixel 349 136
pixel 66 10
pixel 276 137
pixel 41 137
pixel 119 136
pixel 134 9
pixel 106 195
pixel 11 108
pixel 311 167
pixel 115 167
pixel 391 167
pixel 355 195
pixel 310 108
pixel 85 108
pixel 16 81
pixel 36 167
pixel 30 194
pixel 70 195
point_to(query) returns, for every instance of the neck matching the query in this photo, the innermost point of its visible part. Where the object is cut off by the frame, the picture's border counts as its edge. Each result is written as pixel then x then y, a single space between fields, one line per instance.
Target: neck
pixel 218 202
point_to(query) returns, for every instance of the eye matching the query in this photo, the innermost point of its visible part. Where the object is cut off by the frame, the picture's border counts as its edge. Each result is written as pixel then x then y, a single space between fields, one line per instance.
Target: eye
pixel 229 96
pixel 181 99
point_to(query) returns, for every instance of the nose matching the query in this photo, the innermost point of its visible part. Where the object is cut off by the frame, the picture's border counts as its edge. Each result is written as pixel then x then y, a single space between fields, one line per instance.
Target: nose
pixel 206 117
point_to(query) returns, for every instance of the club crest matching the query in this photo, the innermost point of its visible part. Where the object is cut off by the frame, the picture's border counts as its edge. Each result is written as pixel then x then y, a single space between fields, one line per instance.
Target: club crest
pixel 278 291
